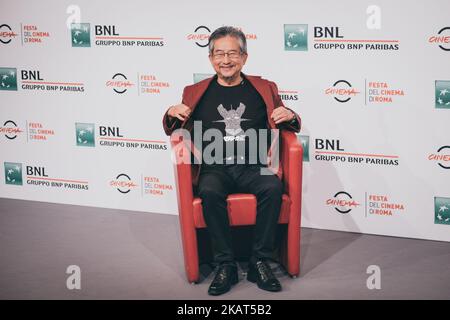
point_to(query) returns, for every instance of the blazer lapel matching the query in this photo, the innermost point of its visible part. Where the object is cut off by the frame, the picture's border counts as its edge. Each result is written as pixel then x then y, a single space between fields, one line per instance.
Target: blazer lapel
pixel 197 92
pixel 193 97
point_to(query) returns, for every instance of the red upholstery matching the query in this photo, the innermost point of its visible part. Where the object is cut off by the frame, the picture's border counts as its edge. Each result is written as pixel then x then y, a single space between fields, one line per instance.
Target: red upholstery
pixel 241 210
pixel 241 207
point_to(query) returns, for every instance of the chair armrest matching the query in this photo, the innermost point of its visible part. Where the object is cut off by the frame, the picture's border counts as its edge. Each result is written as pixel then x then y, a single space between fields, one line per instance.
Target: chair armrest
pixel 181 159
pixel 292 163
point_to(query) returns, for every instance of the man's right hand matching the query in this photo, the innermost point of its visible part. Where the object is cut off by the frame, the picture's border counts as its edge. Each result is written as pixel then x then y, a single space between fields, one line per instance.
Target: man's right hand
pixel 180 111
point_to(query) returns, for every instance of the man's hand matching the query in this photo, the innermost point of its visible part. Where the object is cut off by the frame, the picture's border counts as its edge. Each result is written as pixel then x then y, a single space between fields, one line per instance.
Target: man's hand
pixel 180 111
pixel 281 114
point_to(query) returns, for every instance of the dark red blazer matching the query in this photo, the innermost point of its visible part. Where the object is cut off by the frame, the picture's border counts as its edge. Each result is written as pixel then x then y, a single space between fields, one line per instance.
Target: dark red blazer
pixel 193 93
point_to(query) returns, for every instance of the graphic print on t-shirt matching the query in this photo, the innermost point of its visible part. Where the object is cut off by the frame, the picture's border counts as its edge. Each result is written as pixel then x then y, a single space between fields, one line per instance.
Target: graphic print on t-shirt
pixel 238 116
pixel 232 119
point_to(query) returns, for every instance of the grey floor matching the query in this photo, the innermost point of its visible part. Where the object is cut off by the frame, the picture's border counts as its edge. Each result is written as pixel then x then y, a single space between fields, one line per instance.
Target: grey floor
pixel 135 255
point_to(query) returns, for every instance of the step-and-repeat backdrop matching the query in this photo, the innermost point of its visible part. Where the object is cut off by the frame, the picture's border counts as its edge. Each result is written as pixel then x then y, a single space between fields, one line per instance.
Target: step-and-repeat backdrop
pixel 84 85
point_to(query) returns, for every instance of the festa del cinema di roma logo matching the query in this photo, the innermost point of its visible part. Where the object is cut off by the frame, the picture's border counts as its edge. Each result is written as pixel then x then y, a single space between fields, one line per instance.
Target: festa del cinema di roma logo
pixel 10 129
pixel 201 34
pixel 6 34
pixel 375 204
pixel 149 185
pixel 342 202
pixel 147 84
pixel 29 34
pixel 441 157
pixel 442 39
pixel 36 131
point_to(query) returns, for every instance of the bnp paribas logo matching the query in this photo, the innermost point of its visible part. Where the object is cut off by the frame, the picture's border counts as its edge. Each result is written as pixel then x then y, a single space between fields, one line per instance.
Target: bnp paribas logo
pixel 442 94
pixel 441 210
pixel 85 134
pixel 81 34
pixel 13 173
pixel 8 79
pixel 304 140
pixel 296 37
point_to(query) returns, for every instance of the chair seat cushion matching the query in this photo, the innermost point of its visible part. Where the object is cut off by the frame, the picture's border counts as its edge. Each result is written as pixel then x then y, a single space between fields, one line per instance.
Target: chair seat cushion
pixel 241 210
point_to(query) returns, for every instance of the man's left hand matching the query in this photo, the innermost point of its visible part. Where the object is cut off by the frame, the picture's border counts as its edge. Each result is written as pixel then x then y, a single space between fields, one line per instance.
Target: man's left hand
pixel 282 114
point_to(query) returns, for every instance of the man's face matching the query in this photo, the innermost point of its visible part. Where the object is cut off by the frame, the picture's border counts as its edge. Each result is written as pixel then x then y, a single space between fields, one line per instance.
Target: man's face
pixel 227 59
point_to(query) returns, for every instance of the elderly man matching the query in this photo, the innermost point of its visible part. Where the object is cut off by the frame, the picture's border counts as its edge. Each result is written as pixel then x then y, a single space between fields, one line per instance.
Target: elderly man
pixel 233 104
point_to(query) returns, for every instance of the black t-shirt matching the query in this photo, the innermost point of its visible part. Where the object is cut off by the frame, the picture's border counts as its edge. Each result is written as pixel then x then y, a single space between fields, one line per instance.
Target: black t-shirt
pixel 232 111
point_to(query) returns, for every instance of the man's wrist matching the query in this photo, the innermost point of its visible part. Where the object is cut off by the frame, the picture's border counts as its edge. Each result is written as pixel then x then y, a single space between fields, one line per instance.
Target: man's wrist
pixel 294 119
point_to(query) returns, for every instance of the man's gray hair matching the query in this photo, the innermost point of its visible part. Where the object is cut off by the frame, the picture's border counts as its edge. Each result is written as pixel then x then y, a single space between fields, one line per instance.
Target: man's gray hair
pixel 228 31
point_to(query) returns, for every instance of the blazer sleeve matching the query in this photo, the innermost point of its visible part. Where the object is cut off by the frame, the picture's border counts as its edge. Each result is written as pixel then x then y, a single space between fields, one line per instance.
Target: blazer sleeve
pixel 294 125
pixel 170 124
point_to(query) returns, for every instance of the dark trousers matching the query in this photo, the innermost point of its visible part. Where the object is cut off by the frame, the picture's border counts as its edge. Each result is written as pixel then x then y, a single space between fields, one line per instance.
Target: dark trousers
pixel 216 183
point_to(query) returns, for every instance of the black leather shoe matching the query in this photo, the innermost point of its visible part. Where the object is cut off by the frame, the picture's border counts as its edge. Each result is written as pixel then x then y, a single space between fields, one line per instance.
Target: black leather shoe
pixel 261 273
pixel 225 277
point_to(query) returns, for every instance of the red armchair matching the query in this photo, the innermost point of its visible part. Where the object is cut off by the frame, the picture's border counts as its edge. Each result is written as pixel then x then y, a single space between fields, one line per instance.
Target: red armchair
pixel 241 207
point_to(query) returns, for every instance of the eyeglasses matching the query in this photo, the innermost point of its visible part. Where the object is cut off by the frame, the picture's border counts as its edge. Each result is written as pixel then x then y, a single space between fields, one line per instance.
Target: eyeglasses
pixel 233 55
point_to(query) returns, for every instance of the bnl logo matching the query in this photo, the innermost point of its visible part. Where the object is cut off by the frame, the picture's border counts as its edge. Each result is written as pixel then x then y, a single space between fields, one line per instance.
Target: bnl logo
pixel 296 37
pixel 304 140
pixel 81 34
pixel 13 173
pixel 441 210
pixel 85 134
pixel 442 94
pixel 8 79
